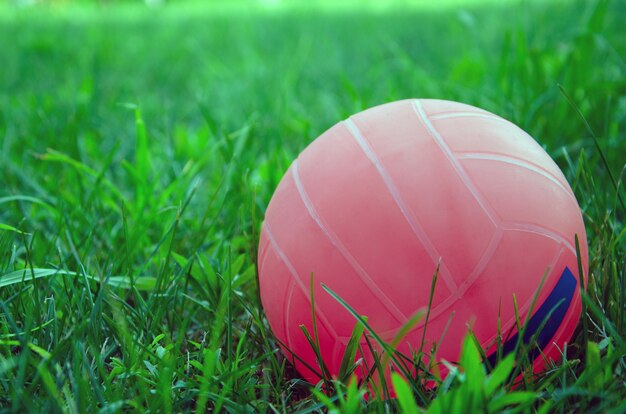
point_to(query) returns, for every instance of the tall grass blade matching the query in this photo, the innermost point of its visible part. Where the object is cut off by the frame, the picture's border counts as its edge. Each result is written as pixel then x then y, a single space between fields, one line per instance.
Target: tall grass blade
pixel 596 142
pixel 386 347
pixel 348 366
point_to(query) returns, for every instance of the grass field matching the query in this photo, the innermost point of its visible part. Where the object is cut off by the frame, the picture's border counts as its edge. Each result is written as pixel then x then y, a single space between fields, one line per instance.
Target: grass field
pixel 139 147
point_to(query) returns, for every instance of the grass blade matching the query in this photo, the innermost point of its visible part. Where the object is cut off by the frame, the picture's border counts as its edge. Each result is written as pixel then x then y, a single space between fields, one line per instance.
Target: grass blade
pixel 11 228
pixel 596 142
pixel 26 275
pixel 386 347
pixel 404 395
pixel 347 362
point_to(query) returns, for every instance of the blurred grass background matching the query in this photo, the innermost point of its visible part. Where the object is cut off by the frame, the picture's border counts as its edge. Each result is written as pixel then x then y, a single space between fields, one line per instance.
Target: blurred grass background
pixel 140 143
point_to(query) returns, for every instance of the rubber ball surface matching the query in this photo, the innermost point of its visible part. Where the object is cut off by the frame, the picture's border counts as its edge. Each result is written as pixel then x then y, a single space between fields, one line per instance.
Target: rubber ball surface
pixel 378 201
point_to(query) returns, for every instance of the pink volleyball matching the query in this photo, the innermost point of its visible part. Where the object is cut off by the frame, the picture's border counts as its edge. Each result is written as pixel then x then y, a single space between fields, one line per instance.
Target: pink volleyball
pixel 373 205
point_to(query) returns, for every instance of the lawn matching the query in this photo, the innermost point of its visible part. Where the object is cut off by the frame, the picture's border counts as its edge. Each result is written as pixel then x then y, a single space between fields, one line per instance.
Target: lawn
pixel 140 146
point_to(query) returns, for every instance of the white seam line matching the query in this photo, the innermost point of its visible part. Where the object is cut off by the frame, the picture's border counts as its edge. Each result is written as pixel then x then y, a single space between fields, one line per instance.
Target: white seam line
pixel 419 110
pixel 335 351
pixel 334 240
pixel 467 115
pixel 516 162
pixel 286 308
pixel 533 228
pixel 494 242
pixel 395 194
pixel 261 258
pixel 294 274
pixel 482 262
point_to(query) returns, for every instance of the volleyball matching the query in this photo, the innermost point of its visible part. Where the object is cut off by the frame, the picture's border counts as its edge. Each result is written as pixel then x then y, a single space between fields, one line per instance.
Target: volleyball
pixel 380 201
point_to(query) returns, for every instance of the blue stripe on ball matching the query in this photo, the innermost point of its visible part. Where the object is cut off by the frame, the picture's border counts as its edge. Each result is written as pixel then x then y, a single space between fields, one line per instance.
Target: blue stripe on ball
pixel 550 314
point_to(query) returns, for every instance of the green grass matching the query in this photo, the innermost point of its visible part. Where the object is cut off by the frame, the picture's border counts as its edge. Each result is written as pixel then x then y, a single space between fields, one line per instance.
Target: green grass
pixel 139 148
